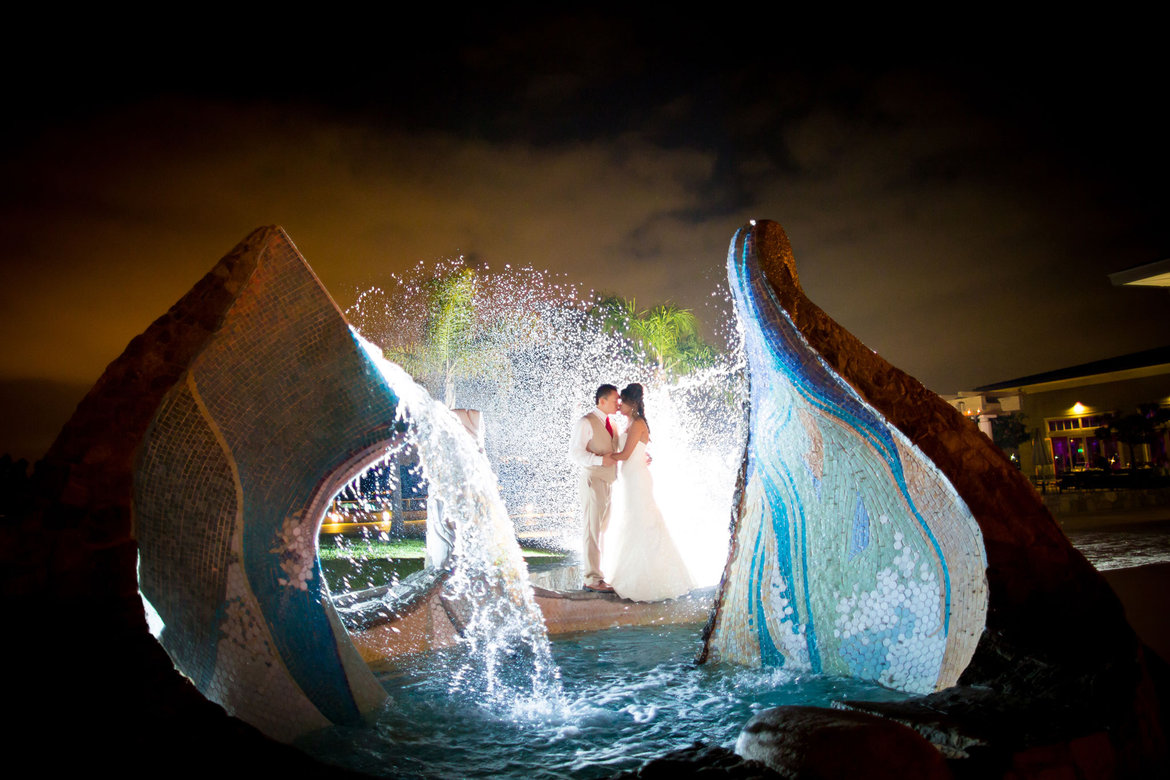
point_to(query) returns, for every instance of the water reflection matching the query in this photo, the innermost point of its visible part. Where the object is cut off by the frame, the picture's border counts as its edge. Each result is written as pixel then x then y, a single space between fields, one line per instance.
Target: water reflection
pixel 1124 546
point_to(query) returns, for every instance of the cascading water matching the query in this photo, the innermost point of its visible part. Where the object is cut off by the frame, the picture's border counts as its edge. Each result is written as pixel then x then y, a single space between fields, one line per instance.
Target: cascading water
pixel 629 695
pixel 529 355
pixel 506 660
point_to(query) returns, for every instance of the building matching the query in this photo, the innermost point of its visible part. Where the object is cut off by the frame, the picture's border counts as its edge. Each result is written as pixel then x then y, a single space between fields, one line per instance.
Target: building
pixel 1065 408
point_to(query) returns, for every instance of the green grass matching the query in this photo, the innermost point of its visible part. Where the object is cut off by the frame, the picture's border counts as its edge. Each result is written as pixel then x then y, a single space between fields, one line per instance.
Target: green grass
pixel 365 549
pixel 400 549
pixel 354 564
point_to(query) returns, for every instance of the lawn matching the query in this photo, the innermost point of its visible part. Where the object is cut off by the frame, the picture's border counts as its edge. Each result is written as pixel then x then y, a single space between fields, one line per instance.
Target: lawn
pixel 355 564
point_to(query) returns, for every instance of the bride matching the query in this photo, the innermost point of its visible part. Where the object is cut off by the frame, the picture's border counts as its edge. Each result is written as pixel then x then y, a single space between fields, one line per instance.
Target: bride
pixel 646 564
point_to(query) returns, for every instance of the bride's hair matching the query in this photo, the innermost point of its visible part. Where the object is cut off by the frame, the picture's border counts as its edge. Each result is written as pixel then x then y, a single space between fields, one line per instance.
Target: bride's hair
pixel 632 395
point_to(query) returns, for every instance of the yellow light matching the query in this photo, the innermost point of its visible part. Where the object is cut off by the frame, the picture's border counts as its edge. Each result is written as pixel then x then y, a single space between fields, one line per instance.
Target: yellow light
pixel 1078 408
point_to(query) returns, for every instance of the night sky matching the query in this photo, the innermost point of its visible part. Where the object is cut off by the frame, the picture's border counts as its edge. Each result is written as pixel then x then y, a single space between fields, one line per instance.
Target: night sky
pixel 955 196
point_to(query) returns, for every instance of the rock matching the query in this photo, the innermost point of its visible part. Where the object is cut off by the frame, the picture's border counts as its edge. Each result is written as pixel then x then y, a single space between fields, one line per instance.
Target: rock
pixel 703 761
pixel 813 742
pixel 69 560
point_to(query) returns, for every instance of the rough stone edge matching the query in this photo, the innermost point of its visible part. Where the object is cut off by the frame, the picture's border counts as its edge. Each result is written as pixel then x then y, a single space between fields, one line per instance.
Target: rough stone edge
pixel 68 574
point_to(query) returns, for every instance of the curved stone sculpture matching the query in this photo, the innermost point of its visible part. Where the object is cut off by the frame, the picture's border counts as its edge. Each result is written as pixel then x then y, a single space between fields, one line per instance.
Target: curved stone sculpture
pixel 1033 638
pixel 1055 659
pixel 852 554
pixel 276 409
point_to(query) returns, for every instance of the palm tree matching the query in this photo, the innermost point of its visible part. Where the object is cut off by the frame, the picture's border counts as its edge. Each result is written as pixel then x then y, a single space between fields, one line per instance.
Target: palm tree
pixel 662 330
pixel 695 354
pixel 666 333
pixel 454 344
pixel 617 315
pixel 615 312
pixel 1144 427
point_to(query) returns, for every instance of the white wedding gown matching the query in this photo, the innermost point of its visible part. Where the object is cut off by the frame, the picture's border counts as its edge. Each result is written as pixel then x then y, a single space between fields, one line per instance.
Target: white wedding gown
pixel 645 564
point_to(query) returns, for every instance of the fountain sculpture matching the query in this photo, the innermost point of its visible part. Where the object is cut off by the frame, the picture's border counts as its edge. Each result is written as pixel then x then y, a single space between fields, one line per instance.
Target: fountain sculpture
pixel 279 408
pixel 876 532
pixel 853 555
pixel 879 571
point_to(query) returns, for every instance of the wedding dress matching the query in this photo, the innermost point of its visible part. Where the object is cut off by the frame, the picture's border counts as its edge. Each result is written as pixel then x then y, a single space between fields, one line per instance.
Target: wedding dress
pixel 645 562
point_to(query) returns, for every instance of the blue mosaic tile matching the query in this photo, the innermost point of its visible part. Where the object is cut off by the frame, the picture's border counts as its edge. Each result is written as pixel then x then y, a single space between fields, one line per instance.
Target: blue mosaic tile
pixel 851 547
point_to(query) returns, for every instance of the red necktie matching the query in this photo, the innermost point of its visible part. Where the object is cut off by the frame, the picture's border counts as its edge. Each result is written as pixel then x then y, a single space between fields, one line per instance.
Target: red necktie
pixel 608 428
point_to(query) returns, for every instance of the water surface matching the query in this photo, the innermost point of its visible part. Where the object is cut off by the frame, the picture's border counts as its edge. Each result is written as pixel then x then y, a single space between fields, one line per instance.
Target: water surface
pixel 1124 546
pixel 630 694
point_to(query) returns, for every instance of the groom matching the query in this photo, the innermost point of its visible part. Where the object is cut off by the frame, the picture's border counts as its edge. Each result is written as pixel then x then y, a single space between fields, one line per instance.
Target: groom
pixel 592 446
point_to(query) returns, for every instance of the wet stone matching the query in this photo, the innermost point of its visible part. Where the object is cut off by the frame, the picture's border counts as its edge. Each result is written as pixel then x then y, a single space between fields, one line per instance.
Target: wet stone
pixel 799 741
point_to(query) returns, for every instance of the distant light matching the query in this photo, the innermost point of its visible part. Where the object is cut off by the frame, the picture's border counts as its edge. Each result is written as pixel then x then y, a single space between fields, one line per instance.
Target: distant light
pixel 1078 408
pixel 752 222
pixel 386 516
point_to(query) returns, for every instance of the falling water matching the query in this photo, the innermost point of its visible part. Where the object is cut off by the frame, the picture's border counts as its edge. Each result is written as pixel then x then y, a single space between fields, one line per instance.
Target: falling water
pixel 505 661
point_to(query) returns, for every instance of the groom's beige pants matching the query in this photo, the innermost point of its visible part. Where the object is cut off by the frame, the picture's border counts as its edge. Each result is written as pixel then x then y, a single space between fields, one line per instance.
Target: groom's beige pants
pixel 595 493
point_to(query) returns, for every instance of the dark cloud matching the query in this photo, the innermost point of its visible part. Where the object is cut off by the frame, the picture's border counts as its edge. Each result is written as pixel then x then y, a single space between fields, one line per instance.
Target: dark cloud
pixel 119 230
pixel 959 211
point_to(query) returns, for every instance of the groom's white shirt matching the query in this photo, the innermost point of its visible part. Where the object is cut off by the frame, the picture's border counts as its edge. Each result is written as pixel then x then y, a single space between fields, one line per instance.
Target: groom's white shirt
pixel 578 444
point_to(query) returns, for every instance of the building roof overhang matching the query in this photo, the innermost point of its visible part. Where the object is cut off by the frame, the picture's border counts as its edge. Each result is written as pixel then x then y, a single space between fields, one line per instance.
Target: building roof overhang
pixel 1151 362
pixel 1156 274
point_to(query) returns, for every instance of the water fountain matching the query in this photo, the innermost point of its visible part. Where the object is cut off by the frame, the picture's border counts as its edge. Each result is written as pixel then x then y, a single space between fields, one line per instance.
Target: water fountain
pixel 628 694
pixel 506 662
pixel 215 442
pixel 230 488
pixel 529 356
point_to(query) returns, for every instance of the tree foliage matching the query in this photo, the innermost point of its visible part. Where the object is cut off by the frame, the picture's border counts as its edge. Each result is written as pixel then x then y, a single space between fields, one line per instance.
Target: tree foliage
pixel 456 342
pixel 1144 426
pixel 661 329
pixel 1009 431
pixel 666 334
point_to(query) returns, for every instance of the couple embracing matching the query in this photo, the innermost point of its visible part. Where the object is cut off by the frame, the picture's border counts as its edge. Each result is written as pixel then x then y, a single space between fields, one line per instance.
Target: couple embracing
pixel 643 563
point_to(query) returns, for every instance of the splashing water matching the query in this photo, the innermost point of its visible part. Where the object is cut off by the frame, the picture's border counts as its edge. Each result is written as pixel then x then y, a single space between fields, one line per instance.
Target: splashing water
pixel 506 663
pixel 531 365
pixel 530 358
pixel 631 694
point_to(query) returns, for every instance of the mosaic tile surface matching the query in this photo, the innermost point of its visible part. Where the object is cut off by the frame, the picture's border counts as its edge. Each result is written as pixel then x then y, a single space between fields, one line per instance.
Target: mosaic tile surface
pixel 228 488
pixel 853 554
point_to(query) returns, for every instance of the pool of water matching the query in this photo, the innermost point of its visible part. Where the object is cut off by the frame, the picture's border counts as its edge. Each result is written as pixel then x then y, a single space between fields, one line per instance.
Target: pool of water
pixel 1124 546
pixel 629 695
